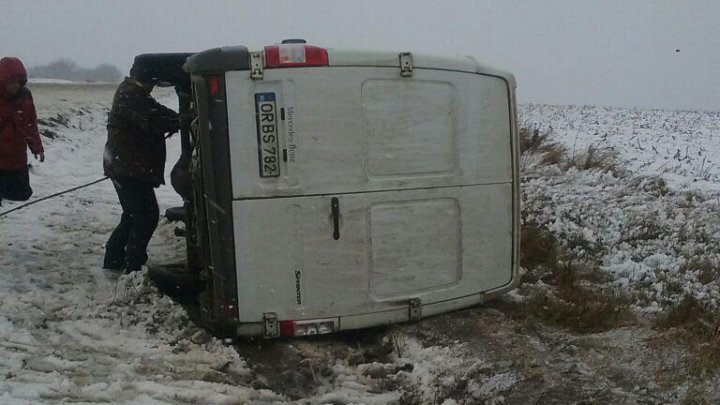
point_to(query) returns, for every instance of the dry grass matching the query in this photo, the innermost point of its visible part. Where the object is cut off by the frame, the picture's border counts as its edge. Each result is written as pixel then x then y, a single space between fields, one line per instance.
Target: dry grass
pixel 592 251
pixel 654 185
pixel 691 199
pixel 594 159
pixel 707 269
pixel 532 142
pixel 575 302
pixel 642 228
pixel 582 311
pixel 538 248
pixel 705 359
pixel 540 255
pixel 686 313
pixel 579 307
pixel 699 328
pixel 697 396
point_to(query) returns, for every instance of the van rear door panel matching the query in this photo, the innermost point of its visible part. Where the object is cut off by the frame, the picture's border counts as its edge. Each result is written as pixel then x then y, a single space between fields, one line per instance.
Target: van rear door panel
pixel 350 129
pixel 432 244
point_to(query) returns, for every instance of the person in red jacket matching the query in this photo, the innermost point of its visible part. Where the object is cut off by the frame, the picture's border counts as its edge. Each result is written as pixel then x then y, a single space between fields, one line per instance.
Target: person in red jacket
pixel 18 131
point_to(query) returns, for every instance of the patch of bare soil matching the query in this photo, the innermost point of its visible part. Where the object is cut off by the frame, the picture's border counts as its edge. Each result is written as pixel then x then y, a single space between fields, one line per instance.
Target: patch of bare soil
pixel 298 368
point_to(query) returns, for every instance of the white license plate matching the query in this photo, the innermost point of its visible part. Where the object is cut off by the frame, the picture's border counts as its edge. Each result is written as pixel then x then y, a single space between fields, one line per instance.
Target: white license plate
pixel 267 133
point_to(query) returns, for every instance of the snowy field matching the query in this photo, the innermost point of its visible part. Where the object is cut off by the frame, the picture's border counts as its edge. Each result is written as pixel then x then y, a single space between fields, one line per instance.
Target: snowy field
pixel 68 334
pixel 653 214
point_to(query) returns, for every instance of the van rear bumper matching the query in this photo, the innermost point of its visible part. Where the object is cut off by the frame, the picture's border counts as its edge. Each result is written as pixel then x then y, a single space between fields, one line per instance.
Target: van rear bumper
pixel 401 314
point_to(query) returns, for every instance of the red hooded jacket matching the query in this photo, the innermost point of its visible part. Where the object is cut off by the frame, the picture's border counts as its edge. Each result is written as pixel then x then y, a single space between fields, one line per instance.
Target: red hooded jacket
pixel 18 120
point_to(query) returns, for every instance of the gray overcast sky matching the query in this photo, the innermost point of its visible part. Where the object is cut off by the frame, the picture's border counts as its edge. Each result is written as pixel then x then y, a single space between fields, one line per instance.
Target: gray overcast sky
pixel 649 53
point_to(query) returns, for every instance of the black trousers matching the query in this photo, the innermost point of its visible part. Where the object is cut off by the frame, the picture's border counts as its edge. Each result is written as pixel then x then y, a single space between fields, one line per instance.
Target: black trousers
pixel 15 185
pixel 127 246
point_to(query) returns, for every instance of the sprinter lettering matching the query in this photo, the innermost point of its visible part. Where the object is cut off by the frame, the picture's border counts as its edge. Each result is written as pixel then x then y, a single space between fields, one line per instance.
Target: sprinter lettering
pixel 298 293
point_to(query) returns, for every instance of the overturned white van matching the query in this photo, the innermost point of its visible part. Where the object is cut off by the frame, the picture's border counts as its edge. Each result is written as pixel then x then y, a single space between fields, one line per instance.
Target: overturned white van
pixel 337 190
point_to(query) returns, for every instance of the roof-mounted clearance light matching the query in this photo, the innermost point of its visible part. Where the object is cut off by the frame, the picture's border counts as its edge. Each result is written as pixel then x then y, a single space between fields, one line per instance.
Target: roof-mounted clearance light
pixel 295 55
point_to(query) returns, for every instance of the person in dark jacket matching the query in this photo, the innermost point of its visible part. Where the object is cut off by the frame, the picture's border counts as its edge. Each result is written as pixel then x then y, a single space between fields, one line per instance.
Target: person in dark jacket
pixel 134 159
pixel 18 131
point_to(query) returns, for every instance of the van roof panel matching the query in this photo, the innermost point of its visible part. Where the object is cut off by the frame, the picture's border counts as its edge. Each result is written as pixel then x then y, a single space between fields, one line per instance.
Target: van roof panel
pixel 238 58
pixel 379 58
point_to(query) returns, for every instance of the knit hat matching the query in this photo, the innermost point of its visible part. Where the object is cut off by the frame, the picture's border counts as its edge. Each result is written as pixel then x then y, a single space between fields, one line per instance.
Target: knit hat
pixel 143 72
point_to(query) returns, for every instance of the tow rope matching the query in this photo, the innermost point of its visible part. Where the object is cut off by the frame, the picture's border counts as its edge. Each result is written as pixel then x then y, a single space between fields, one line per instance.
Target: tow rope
pixel 2 214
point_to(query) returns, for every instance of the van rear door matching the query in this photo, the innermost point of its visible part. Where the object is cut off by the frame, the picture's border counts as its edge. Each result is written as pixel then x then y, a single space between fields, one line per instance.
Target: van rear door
pixel 358 193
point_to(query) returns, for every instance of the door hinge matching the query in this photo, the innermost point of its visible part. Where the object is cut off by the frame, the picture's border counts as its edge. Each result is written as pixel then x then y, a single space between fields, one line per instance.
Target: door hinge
pixel 256 65
pixel 406 64
pixel 272 328
pixel 414 310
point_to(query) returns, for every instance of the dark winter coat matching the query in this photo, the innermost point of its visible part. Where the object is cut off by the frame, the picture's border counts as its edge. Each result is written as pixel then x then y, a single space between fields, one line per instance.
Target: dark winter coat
pixel 137 124
pixel 18 120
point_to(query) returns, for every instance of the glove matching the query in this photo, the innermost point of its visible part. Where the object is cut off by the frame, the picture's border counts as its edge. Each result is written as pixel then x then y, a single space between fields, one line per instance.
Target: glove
pixel 185 120
pixel 168 126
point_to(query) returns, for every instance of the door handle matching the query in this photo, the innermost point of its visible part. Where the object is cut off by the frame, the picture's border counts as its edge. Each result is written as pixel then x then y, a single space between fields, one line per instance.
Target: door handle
pixel 335 205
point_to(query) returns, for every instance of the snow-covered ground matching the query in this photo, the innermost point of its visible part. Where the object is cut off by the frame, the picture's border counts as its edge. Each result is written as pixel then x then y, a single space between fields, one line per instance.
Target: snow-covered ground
pixel 679 146
pixel 648 219
pixel 68 333
pixel 40 80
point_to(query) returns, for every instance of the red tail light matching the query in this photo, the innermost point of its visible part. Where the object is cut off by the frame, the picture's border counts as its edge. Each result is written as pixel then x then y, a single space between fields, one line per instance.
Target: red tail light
pixel 214 85
pixel 287 328
pixel 295 55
